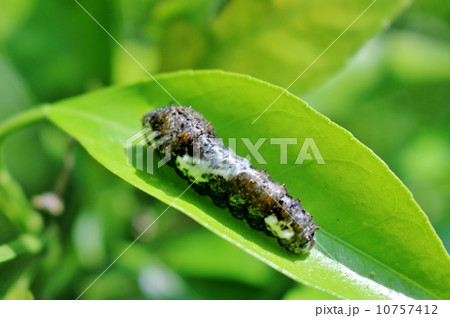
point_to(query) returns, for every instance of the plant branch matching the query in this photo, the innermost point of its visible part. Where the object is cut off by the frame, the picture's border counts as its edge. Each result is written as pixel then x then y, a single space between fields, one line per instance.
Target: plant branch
pixel 21 120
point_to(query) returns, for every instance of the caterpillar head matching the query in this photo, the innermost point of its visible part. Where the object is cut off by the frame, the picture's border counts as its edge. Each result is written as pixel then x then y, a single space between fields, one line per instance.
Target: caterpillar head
pixel 178 126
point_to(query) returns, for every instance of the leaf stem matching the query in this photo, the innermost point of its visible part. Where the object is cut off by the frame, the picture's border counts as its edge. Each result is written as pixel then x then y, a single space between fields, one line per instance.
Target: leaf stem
pixel 22 119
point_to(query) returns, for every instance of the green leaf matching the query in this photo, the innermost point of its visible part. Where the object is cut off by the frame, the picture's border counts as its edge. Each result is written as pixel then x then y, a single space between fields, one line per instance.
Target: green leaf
pixel 16 213
pixel 13 12
pixel 306 293
pixel 16 217
pixel 74 69
pixel 272 40
pixel 399 109
pixel 26 244
pixel 15 260
pixel 20 290
pixel 189 254
pixel 375 241
pixel 19 293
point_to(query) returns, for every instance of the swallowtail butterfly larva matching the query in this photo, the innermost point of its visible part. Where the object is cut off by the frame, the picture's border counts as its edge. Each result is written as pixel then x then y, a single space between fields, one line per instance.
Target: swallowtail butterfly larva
pixel 198 155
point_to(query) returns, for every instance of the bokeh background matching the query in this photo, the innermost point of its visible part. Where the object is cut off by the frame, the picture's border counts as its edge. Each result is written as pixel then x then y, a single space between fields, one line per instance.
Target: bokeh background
pixel 392 94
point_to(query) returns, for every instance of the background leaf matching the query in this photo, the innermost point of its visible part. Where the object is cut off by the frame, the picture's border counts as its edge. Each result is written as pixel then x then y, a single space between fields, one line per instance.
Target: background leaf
pixel 375 241
pixel 16 257
pixel 271 40
pixel 54 26
pixel 19 243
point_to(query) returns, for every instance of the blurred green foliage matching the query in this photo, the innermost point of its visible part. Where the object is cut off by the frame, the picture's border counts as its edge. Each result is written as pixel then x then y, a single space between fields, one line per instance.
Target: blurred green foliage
pixel 392 95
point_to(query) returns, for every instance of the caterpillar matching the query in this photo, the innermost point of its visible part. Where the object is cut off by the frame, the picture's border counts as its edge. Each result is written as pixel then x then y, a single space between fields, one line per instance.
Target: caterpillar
pixel 189 142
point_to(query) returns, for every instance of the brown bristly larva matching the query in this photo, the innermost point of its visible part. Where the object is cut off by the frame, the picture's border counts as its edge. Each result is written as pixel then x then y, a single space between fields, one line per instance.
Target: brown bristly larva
pixel 190 143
